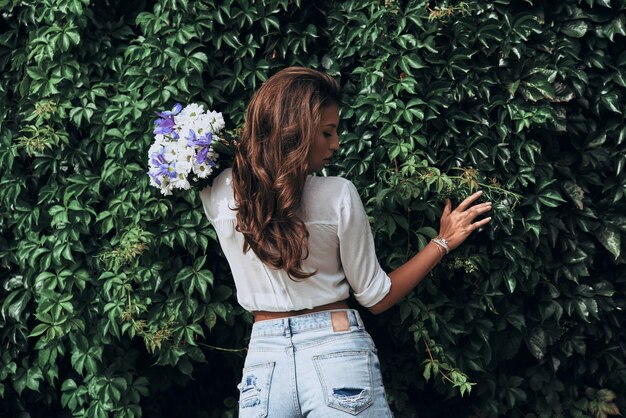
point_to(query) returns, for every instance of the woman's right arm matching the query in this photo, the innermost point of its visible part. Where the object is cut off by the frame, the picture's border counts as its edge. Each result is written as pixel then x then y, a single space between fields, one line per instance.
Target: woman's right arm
pixel 456 226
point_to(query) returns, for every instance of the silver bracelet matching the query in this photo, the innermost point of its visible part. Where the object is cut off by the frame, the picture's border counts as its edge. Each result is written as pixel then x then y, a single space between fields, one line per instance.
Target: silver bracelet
pixel 442 242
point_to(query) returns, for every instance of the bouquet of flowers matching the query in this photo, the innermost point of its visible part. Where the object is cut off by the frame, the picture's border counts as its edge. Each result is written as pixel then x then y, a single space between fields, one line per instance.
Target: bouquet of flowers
pixel 186 145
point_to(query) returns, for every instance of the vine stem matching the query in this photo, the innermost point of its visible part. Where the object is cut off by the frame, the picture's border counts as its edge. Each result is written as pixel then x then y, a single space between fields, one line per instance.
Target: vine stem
pixel 490 187
pixel 231 350
pixel 428 349
pixel 445 376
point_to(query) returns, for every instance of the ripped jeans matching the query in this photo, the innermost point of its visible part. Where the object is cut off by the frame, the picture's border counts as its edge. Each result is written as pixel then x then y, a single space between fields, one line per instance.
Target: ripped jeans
pixel 322 364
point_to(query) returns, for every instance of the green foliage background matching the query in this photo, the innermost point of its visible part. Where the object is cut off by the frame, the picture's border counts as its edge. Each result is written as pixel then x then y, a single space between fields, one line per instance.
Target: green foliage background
pixel 116 301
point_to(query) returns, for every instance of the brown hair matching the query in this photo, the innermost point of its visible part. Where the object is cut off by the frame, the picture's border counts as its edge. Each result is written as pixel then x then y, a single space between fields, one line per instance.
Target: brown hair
pixel 271 164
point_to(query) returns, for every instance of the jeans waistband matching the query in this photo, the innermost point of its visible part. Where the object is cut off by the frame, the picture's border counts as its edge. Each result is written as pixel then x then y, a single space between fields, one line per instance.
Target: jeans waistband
pixel 303 323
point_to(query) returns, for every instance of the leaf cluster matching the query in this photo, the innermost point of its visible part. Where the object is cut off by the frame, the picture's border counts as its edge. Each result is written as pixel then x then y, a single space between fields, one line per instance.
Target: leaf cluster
pixel 114 296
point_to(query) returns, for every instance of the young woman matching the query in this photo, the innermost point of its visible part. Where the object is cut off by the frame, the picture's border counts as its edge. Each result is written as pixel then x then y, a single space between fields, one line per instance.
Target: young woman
pixel 298 245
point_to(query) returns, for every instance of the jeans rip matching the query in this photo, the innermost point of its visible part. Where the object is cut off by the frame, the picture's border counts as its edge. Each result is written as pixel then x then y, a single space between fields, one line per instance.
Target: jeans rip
pixel 254 390
pixel 346 380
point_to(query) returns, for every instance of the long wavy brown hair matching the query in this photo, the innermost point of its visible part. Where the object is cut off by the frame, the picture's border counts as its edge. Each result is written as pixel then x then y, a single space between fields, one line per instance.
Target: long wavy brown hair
pixel 271 164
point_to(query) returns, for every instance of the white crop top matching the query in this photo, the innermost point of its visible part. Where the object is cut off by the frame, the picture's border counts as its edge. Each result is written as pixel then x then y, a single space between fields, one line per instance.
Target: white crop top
pixel 341 249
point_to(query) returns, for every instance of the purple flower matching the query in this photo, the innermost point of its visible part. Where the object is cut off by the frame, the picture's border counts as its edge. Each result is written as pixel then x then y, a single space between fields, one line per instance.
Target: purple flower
pixel 165 124
pixel 175 111
pixel 161 167
pixel 204 142
pixel 201 157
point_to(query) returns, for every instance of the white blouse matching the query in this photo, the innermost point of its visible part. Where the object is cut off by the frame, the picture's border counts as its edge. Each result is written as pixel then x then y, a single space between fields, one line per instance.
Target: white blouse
pixel 341 249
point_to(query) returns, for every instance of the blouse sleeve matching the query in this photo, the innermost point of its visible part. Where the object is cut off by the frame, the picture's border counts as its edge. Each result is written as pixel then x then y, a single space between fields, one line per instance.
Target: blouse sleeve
pixel 367 279
pixel 205 198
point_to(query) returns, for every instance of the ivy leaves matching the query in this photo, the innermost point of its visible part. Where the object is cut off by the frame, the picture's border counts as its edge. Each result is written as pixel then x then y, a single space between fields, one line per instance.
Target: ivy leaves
pixel 500 92
pixel 102 278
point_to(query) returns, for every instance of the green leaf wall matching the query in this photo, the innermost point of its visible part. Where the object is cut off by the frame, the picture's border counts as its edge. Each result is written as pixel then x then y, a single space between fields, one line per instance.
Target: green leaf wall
pixel 117 301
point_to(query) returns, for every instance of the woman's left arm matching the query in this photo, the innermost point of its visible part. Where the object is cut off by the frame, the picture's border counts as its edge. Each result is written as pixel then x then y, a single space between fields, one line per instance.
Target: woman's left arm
pixel 456 226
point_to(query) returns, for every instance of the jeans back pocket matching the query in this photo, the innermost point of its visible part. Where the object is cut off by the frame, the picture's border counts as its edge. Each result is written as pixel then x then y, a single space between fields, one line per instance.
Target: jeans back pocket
pixel 346 380
pixel 254 390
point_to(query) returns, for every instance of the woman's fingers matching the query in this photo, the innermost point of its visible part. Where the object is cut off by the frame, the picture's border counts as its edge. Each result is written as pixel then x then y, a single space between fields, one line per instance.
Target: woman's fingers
pixel 468 200
pixel 457 224
pixel 480 223
pixel 479 209
pixel 447 208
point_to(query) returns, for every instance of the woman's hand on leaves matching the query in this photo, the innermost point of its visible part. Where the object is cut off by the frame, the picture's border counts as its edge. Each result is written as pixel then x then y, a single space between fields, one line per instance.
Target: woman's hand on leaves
pixel 456 225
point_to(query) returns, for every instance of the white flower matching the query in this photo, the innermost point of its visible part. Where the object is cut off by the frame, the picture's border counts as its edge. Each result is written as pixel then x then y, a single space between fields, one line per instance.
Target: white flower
pixel 189 112
pixel 170 152
pixel 183 126
pixel 200 125
pixel 155 148
pixel 166 186
pixel 202 170
pixel 186 155
pixel 212 155
pixel 184 167
pixel 216 120
pixel 173 150
pixel 181 182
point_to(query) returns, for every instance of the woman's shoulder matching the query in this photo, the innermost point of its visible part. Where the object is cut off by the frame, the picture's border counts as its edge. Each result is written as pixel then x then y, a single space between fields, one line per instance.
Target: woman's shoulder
pixel 328 183
pixel 221 181
pixel 224 178
pixel 327 192
pixel 330 188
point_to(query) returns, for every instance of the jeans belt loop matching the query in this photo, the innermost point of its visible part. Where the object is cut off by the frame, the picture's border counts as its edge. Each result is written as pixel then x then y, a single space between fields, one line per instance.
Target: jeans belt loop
pixel 358 319
pixel 286 327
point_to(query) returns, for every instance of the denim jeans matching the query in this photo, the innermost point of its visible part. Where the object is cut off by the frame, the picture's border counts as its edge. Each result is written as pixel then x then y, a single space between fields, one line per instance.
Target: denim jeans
pixel 322 364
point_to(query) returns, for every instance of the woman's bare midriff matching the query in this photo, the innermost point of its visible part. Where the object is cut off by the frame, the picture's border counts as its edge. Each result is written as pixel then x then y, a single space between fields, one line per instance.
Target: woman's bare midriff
pixel 265 315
